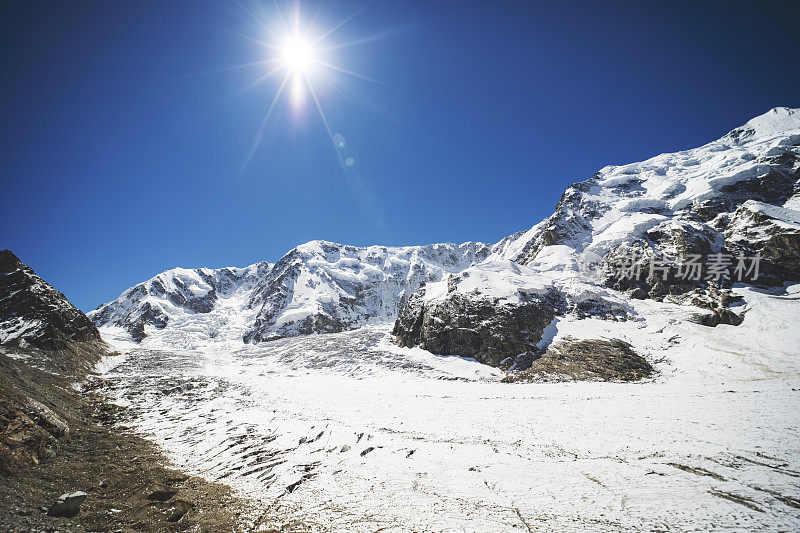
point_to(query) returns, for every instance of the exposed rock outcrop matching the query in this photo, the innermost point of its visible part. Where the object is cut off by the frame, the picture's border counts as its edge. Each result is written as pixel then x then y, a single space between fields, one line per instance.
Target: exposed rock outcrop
pixel 484 329
pixel 771 231
pixel 586 360
pixel 32 313
pixel 25 437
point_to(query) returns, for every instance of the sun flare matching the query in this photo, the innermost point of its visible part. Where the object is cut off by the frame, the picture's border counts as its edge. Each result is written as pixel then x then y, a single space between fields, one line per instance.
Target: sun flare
pixel 297 55
pixel 304 56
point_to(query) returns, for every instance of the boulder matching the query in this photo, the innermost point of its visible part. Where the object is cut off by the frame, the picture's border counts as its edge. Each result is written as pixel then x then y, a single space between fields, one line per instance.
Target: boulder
pixel 67 505
pixel 586 360
pixel 483 328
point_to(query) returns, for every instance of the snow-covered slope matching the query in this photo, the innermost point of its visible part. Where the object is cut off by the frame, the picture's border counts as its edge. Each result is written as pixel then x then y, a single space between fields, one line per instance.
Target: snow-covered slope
pixel 689 192
pixel 316 287
pixel 323 287
pixel 181 293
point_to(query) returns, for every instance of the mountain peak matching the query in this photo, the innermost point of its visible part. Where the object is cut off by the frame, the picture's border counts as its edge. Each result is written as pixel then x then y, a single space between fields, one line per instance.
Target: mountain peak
pixel 8 261
pixel 778 121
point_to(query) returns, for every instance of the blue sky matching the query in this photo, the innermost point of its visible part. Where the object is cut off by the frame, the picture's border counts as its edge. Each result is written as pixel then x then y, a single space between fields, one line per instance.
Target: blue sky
pixel 125 133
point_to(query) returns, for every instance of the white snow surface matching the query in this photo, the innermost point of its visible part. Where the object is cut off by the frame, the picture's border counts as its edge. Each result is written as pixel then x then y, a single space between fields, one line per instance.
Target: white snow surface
pixel 348 432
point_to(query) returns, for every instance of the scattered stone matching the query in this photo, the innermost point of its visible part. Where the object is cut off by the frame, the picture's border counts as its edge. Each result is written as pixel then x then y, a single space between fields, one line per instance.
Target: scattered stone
pixel 367 450
pixel 67 505
pixel 178 510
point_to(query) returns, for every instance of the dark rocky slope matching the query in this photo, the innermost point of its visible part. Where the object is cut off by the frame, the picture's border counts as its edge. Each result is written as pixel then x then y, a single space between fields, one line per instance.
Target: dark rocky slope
pixel 34 314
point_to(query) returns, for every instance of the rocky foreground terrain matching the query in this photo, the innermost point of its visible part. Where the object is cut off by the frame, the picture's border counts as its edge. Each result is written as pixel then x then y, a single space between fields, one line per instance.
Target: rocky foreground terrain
pixel 67 460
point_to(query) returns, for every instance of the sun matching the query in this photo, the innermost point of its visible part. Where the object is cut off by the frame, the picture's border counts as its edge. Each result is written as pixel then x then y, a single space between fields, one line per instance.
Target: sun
pixel 303 55
pixel 297 55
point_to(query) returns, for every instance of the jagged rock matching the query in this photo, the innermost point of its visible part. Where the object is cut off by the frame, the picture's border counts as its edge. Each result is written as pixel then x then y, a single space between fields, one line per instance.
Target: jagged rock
pixel 586 360
pixel 32 313
pixel 773 232
pixel 67 505
pixel 476 328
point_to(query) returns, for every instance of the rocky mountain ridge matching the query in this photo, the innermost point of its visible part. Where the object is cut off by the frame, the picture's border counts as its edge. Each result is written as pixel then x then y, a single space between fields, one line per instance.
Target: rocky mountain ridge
pixel 318 287
pixel 725 212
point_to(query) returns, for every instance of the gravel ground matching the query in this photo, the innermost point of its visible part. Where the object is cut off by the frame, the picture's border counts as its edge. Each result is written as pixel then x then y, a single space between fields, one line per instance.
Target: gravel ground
pixel 129 484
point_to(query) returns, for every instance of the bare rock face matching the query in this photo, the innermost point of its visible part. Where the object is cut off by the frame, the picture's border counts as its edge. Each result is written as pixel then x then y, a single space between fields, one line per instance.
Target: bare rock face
pixel 586 360
pixel 484 329
pixel 32 313
pixel 28 434
pixel 771 231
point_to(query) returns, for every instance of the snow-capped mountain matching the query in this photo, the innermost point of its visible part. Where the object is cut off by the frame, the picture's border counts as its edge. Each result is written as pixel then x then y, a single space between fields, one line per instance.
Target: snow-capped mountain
pixel 182 292
pixel 726 201
pixel 316 287
pixel 673 198
pixel 636 229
